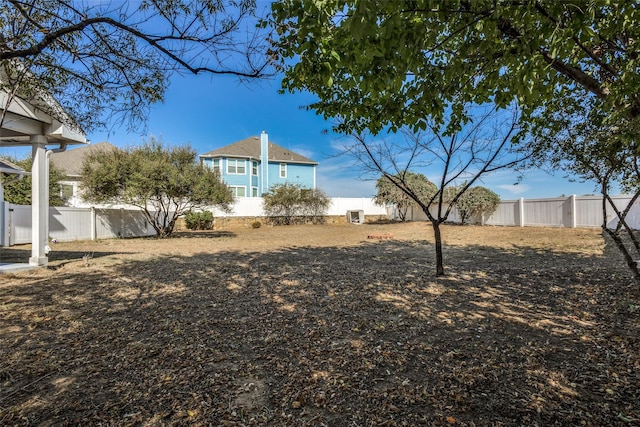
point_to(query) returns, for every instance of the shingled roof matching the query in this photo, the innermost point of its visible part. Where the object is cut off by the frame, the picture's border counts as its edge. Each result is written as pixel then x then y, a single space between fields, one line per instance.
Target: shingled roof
pixel 250 148
pixel 70 161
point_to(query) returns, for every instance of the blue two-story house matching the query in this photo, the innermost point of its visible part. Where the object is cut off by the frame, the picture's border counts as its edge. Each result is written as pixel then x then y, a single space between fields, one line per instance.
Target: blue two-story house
pixel 250 167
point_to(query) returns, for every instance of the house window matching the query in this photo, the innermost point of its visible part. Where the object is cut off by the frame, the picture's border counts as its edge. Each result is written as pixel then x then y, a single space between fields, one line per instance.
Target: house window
pixel 215 165
pixel 238 190
pixel 66 191
pixel 236 166
pixel 254 191
pixel 283 170
pixel 254 168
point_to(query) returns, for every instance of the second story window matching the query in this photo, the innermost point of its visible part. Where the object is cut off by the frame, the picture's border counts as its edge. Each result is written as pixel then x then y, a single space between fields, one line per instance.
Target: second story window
pixel 254 168
pixel 283 170
pixel 236 166
pixel 215 165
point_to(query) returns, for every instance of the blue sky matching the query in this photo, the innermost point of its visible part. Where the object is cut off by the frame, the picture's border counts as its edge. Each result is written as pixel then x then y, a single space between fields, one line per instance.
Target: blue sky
pixel 209 112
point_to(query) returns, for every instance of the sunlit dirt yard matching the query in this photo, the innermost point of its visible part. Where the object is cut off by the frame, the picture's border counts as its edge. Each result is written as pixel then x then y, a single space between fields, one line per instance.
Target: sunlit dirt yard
pixel 323 326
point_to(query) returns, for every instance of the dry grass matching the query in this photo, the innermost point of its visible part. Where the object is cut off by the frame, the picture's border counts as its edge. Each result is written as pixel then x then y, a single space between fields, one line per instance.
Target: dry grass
pixel 319 325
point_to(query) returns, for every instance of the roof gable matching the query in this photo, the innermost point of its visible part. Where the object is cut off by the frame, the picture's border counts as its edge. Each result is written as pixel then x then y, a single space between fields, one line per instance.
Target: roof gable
pixel 70 161
pixel 250 148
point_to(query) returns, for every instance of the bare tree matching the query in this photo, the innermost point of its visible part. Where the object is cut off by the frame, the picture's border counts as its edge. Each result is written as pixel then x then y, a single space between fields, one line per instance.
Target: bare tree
pixel 478 148
pixel 593 146
pixel 106 62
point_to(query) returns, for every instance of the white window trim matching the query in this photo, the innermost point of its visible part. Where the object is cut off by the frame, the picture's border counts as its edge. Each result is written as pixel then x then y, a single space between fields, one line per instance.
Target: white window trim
pixel 281 170
pixel 217 167
pixel 236 161
pixel 234 188
pixel 74 189
pixel 254 164
pixel 254 190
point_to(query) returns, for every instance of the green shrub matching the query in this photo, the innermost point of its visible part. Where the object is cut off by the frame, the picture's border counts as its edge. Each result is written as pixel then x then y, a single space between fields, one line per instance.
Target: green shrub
pixel 289 203
pixel 199 220
pixel 477 202
pixel 256 224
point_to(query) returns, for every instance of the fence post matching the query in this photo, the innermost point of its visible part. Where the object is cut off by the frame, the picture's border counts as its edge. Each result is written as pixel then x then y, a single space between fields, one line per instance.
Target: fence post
pixel 122 224
pixel 521 212
pixel 4 213
pixel 574 213
pixel 93 223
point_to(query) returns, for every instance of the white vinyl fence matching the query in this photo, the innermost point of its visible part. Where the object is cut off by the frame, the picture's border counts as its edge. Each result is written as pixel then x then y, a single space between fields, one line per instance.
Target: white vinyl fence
pixel 90 223
pixel 252 207
pixel 574 211
pixel 66 224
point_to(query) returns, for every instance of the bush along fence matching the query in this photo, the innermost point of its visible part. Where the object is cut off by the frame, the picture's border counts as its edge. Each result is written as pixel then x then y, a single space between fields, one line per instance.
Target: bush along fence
pixel 573 211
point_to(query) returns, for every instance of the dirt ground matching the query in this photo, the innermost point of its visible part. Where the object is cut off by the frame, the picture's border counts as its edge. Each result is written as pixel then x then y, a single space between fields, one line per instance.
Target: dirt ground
pixel 323 326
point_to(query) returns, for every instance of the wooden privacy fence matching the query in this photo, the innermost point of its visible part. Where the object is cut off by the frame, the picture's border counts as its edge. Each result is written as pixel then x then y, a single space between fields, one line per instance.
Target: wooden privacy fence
pixel 573 211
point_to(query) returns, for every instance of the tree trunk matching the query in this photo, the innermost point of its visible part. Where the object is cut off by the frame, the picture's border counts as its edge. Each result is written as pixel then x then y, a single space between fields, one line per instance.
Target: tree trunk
pixel 402 213
pixel 438 239
pixel 615 234
pixel 631 263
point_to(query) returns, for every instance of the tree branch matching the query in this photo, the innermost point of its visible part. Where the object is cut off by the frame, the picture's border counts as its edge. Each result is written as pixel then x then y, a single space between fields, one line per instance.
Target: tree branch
pixel 53 36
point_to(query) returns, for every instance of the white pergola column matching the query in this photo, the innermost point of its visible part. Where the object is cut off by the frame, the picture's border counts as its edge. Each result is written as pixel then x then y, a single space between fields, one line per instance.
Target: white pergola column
pixel 39 201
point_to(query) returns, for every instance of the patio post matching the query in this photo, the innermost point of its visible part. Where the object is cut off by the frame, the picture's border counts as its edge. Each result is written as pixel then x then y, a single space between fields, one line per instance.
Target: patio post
pixel 39 202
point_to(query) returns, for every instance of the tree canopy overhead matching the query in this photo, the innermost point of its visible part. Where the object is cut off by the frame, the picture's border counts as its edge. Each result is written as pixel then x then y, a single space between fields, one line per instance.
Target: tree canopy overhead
pixel 390 63
pixel 113 59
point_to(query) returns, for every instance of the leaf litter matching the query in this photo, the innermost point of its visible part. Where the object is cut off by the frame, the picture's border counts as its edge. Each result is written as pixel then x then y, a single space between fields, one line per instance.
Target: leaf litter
pixel 321 326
